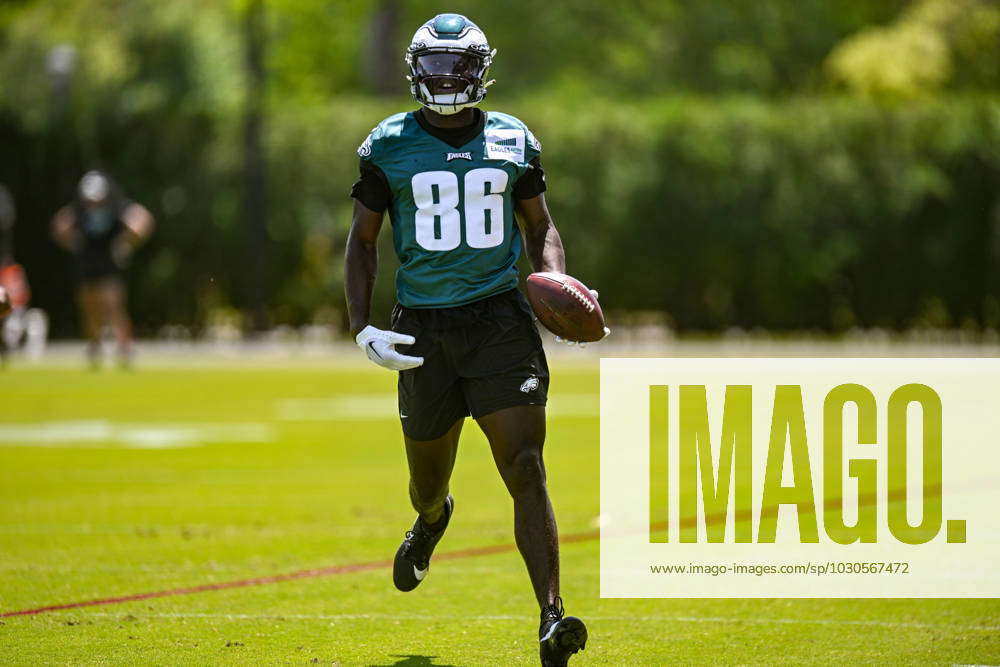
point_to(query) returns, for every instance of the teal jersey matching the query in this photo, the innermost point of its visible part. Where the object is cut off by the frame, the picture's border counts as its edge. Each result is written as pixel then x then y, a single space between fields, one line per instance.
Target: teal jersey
pixel 452 209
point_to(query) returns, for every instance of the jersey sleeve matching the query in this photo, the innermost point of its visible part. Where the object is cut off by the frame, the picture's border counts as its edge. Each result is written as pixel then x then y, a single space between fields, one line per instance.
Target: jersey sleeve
pixel 532 182
pixel 367 146
pixel 532 146
pixel 372 188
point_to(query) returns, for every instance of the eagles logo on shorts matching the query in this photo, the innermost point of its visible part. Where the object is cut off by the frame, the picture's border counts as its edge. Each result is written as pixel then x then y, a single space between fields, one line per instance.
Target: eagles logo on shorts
pixel 478 358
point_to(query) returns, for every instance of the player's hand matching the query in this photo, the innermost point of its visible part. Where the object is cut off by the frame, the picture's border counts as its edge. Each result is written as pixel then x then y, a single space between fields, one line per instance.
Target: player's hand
pixel 380 347
pixel 5 306
pixel 121 252
pixel 607 331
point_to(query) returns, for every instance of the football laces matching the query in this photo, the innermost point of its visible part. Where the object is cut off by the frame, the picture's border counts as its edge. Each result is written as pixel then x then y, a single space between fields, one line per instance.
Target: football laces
pixel 579 296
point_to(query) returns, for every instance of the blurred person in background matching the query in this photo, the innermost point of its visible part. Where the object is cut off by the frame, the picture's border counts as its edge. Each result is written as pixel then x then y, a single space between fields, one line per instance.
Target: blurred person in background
pixel 7 216
pixel 23 326
pixel 103 228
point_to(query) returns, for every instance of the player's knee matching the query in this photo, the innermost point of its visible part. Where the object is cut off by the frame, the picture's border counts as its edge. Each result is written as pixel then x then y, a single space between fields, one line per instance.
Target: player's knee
pixel 427 500
pixel 524 471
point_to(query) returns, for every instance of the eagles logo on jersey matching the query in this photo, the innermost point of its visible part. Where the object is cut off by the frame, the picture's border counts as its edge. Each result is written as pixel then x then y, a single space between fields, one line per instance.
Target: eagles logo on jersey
pixel 365 149
pixel 534 143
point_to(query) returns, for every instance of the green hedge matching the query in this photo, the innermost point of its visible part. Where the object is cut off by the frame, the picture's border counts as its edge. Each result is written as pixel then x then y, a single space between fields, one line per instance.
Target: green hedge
pixel 811 213
pixel 821 213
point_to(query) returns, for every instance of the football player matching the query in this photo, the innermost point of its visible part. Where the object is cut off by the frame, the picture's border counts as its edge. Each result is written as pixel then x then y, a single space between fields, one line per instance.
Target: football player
pixel 22 327
pixel 452 177
pixel 102 228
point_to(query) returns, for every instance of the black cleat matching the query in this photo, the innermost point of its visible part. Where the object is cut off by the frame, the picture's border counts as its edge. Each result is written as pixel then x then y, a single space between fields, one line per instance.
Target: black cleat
pixel 413 558
pixel 559 637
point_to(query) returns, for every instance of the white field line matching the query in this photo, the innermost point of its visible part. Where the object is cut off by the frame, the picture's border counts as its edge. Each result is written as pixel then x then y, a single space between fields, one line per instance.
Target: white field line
pixel 511 617
pixel 103 434
pixel 384 407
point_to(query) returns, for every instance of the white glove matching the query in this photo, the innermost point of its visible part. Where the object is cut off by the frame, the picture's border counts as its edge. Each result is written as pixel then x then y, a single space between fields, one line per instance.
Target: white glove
pixel 607 331
pixel 380 347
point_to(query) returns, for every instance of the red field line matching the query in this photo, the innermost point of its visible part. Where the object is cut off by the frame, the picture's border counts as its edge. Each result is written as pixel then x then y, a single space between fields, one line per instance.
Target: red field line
pixel 277 578
pixel 585 536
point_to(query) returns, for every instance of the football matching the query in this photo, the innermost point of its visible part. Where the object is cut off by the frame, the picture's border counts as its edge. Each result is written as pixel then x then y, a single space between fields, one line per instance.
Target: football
pixel 565 306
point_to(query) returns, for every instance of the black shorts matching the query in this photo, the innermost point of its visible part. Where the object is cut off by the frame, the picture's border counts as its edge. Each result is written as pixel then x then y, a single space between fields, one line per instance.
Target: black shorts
pixel 96 265
pixel 478 358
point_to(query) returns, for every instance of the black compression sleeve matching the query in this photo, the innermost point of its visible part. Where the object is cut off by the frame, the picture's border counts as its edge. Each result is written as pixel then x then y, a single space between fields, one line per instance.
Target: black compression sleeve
pixel 372 188
pixel 532 183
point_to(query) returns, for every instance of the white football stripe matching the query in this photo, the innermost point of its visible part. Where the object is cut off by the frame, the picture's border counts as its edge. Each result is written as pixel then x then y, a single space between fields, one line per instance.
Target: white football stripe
pixel 100 433
pixel 520 618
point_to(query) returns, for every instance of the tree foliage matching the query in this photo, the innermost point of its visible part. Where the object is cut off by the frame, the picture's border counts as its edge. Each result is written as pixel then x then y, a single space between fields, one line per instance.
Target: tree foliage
pixel 931 44
pixel 794 163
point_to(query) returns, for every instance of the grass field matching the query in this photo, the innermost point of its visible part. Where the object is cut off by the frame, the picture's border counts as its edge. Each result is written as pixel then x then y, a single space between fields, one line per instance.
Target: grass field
pixel 114 484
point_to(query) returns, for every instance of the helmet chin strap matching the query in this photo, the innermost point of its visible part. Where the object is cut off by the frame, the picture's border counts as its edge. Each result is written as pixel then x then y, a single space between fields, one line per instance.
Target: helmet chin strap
pixel 446 108
pixel 449 109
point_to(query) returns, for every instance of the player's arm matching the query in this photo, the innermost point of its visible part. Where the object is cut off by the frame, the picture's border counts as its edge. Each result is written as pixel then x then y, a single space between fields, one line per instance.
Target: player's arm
pixel 541 238
pixel 64 231
pixel 542 241
pixel 360 268
pixel 138 224
pixel 361 264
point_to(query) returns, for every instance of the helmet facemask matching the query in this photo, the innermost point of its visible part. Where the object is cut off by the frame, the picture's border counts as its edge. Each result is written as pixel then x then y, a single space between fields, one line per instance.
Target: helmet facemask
pixel 448 80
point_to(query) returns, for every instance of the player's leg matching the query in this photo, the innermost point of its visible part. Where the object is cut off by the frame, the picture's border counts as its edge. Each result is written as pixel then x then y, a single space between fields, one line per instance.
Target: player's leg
pixel 431 411
pixel 89 303
pixel 431 463
pixel 516 436
pixel 506 380
pixel 116 314
pixel 36 327
pixel 8 337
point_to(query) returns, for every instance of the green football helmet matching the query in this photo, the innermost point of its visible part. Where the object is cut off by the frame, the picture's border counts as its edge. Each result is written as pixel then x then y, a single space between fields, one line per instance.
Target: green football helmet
pixel 449 59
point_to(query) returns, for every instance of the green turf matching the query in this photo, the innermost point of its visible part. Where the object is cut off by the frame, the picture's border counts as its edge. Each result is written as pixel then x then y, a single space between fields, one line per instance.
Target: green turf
pixel 93 520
